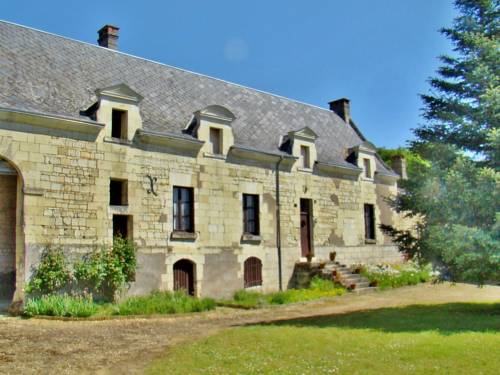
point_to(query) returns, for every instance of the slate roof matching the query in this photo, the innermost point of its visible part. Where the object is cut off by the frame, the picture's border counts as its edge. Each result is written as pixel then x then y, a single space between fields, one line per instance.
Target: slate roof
pixel 47 73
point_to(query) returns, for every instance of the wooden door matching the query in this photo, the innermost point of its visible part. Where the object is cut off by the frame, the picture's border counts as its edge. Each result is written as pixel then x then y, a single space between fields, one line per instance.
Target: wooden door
pixel 184 276
pixel 305 227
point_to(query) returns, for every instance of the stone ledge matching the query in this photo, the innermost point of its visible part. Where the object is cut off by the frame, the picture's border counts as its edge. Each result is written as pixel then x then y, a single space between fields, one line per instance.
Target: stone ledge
pixel 251 238
pixel 183 236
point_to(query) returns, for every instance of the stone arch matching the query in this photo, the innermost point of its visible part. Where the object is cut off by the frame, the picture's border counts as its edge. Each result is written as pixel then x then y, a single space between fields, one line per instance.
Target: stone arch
pixel 11 232
pixel 185 276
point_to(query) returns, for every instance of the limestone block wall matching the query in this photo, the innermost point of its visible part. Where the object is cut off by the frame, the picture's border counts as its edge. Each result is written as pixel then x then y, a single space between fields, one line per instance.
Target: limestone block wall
pixel 66 203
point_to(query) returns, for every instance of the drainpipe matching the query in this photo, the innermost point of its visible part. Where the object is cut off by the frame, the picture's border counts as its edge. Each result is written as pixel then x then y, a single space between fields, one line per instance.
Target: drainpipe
pixel 278 223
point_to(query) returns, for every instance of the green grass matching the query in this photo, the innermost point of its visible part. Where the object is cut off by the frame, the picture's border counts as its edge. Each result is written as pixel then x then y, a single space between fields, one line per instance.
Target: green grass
pixel 425 339
pixel 320 288
pixel 83 306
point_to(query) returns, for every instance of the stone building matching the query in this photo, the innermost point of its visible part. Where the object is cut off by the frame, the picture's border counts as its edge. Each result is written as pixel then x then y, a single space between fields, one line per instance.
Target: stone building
pixel 219 186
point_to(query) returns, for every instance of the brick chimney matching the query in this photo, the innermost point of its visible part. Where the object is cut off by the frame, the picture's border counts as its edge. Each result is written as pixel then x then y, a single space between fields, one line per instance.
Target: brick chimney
pixel 342 108
pixel 399 166
pixel 108 36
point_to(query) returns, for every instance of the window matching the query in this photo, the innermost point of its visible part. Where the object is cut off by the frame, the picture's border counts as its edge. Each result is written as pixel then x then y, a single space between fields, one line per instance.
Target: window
pixel 251 214
pixel 119 124
pixel 304 154
pixel 368 170
pixel 252 273
pixel 183 209
pixel 122 226
pixel 118 192
pixel 216 141
pixel 369 222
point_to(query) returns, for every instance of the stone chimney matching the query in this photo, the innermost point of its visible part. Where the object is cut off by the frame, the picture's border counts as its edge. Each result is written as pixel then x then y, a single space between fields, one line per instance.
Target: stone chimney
pixel 108 37
pixel 399 166
pixel 342 108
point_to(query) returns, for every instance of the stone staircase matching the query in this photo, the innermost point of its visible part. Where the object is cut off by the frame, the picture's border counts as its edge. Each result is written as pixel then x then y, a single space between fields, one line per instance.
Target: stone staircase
pixel 343 274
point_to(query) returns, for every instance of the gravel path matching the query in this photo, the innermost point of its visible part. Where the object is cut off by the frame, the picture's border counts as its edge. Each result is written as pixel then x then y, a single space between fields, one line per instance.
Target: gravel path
pixel 127 346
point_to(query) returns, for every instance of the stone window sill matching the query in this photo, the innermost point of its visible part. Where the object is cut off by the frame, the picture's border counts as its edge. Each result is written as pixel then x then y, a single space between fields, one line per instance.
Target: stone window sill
pixel 367 179
pixel 251 238
pixel 183 236
pixel 370 241
pixel 305 170
pixel 118 141
pixel 214 156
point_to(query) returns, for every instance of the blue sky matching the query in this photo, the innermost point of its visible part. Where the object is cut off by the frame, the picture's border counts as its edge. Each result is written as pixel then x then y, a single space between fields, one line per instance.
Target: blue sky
pixel 378 53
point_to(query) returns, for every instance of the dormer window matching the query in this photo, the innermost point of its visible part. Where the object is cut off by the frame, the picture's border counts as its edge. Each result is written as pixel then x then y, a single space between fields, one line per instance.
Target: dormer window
pixel 118 108
pixel 213 126
pixel 301 144
pixel 119 124
pixel 216 141
pixel 367 168
pixel 305 157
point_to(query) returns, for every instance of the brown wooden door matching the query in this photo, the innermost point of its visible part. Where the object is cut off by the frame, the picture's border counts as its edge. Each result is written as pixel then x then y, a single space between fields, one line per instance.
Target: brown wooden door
pixel 305 227
pixel 184 276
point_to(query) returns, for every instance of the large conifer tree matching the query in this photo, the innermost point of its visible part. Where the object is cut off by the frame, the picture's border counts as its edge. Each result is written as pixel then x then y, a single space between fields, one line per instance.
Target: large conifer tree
pixel 463 108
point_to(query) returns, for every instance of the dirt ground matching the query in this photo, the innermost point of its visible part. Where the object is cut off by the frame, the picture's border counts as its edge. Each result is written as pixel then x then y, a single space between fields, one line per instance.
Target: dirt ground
pixel 127 346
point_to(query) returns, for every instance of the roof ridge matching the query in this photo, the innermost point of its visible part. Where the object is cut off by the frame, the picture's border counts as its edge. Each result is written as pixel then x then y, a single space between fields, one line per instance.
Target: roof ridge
pixel 169 66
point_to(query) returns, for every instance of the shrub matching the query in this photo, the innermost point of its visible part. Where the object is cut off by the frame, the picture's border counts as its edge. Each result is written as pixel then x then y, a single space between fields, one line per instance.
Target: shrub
pixel 106 271
pixel 61 305
pixel 51 274
pixel 163 303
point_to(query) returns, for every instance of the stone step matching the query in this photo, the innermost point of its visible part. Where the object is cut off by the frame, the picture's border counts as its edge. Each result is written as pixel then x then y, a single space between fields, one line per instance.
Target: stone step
pixel 367 289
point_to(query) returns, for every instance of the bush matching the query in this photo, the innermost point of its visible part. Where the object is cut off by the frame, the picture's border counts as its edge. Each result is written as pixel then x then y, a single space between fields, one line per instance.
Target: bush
pixel 106 271
pixel 163 303
pixel 397 275
pixel 61 305
pixel 52 273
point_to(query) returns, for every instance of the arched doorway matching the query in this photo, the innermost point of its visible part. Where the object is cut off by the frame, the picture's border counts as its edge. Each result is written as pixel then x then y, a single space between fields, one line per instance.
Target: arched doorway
pixel 184 271
pixel 9 197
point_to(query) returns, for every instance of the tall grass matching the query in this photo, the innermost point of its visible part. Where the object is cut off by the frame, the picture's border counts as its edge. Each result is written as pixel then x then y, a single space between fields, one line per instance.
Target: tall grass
pixel 163 303
pixel 61 305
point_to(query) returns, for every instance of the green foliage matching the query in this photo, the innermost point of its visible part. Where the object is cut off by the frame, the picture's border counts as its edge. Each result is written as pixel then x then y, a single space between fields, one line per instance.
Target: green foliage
pixel 414 161
pixel 107 270
pixel 464 106
pixel 104 271
pixel 163 303
pixel 52 273
pixel 455 198
pixel 397 275
pixel 61 305
pixel 319 288
pixel 470 253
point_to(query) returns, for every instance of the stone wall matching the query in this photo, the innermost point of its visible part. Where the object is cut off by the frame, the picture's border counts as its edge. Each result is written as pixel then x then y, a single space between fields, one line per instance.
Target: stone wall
pixel 66 203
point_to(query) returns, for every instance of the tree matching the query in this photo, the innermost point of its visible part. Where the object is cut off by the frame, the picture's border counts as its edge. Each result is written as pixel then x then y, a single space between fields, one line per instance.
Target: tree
pixel 454 188
pixel 464 107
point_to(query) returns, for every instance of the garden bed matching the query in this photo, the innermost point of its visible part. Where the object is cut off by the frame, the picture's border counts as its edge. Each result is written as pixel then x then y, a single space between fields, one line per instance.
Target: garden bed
pixel 82 306
pixel 396 275
pixel 319 288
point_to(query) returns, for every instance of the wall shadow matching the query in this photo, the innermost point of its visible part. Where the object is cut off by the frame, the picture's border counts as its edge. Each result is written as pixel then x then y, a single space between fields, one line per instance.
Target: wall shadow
pixel 445 319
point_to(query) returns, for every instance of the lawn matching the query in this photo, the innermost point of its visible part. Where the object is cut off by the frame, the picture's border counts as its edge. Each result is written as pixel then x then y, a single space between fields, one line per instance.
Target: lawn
pixel 455 338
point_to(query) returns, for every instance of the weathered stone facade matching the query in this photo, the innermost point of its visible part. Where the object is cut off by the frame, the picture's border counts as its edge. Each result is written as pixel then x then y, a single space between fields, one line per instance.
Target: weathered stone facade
pixel 64 166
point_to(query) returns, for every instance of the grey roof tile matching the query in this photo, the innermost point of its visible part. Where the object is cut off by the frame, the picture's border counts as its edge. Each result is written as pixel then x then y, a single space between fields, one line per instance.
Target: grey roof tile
pixel 47 73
